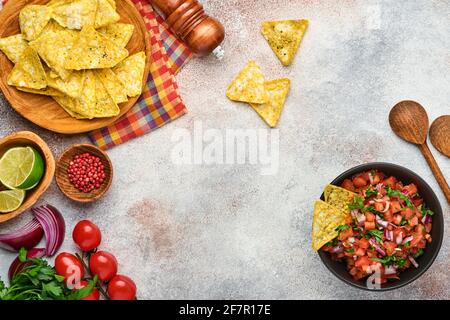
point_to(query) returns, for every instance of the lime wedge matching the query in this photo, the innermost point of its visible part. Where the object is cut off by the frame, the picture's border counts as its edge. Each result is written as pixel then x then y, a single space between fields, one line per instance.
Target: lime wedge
pixel 21 168
pixel 11 200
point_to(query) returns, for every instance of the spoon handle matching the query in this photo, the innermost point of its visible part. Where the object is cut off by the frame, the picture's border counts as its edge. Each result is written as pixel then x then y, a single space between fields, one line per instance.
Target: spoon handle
pixel 436 170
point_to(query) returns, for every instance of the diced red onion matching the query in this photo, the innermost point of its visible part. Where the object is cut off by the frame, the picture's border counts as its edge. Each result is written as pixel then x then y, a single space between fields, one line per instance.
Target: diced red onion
pixel 389 234
pixel 379 187
pixel 399 238
pixel 354 213
pixel 390 270
pixel 387 206
pixel 361 219
pixel 370 177
pixel 17 266
pixel 28 236
pixel 426 219
pixel 351 239
pixel 407 239
pixel 54 227
pixel 373 242
pixel 337 249
pixel 381 222
pixel 414 262
pixel 405 192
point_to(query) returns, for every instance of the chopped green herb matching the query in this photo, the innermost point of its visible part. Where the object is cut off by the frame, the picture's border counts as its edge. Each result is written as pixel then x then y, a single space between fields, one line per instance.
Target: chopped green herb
pixel 397 193
pixel 371 192
pixel 377 234
pixel 350 251
pixel 425 211
pixel 400 263
pixel 418 253
pixel 342 227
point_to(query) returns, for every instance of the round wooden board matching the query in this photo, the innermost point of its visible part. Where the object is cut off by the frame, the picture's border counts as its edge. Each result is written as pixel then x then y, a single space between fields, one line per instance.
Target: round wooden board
pixel 43 110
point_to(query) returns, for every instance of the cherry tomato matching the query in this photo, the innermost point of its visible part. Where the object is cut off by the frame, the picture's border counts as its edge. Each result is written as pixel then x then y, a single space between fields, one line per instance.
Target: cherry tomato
pixel 68 266
pixel 122 288
pixel 95 295
pixel 103 264
pixel 87 235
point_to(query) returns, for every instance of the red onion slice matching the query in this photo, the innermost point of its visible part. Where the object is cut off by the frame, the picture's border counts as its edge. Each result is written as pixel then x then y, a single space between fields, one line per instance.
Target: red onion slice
pixel 27 237
pixel 390 270
pixel 414 262
pixel 54 227
pixel 17 266
pixel 407 239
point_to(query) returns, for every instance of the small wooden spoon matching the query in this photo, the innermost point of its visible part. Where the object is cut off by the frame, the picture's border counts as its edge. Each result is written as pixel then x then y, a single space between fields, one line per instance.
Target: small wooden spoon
pixel 409 121
pixel 440 134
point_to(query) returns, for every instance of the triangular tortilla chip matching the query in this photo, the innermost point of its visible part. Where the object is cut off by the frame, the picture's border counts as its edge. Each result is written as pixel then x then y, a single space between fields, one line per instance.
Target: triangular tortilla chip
pixel 72 87
pixel 112 84
pixel 13 47
pixel 112 3
pixel 248 86
pixel 131 73
pixel 284 37
pixel 106 14
pixel 325 221
pixel 278 90
pixel 69 105
pixel 74 14
pixel 338 197
pixel 92 50
pixel 53 47
pixel 119 33
pixel 33 19
pixel 45 91
pixel 28 72
pixel 95 102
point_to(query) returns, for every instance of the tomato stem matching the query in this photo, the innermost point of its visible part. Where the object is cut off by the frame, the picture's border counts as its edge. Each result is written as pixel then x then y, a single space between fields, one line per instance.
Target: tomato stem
pixel 88 270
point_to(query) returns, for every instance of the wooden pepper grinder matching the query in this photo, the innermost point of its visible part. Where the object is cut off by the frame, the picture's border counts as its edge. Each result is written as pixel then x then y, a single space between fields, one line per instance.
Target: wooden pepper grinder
pixel 187 19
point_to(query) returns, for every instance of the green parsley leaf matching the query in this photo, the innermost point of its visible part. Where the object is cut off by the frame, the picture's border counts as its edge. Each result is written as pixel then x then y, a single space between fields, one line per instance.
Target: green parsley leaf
pixel 342 227
pixel 401 263
pixel 371 192
pixel 377 234
pixel 85 291
pixel 22 254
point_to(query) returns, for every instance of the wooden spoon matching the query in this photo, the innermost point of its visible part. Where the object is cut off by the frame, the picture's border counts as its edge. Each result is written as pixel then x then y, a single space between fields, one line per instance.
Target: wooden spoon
pixel 440 134
pixel 409 121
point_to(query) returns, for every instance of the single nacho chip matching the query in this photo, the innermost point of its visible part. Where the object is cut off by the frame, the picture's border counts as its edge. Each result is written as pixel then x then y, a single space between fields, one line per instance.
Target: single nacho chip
pixel 33 19
pixel 284 37
pixel 69 105
pixel 325 221
pixel 338 197
pixel 248 86
pixel 95 102
pixel 92 50
pixel 278 90
pixel 74 14
pixel 112 3
pixel 131 73
pixel 106 14
pixel 72 87
pixel 47 91
pixel 28 72
pixel 113 85
pixel 119 33
pixel 13 47
pixel 53 47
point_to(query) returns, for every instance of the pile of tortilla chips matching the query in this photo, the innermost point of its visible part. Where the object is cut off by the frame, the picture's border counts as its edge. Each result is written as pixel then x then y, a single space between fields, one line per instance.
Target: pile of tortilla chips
pixel 330 214
pixel 265 97
pixel 74 51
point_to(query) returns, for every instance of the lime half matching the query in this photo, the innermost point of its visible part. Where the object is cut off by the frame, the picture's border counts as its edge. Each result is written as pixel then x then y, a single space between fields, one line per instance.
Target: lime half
pixel 21 168
pixel 11 200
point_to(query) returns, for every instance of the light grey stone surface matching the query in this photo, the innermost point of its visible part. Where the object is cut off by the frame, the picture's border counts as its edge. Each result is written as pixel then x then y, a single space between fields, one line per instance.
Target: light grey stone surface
pixel 215 231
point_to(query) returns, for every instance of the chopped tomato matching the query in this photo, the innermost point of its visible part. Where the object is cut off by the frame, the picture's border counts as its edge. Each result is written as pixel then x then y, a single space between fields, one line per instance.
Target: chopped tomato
pixel 390 181
pixel 370 217
pixel 363 243
pixel 348 184
pixel 416 239
pixel 411 189
pixel 397 219
pixel 360 252
pixel 343 235
pixel 359 182
pixel 362 262
pixel 388 216
pixel 379 206
pixel 414 221
pixel 390 247
pixel 395 206
pixel 408 213
pixel 417 201
pixel 369 225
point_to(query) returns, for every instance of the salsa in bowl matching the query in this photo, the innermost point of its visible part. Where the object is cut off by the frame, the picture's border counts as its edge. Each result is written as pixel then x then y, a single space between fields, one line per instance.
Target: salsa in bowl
pixel 394 229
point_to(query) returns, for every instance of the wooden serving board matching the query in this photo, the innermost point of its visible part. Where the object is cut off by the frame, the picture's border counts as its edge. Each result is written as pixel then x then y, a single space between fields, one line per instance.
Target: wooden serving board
pixel 43 110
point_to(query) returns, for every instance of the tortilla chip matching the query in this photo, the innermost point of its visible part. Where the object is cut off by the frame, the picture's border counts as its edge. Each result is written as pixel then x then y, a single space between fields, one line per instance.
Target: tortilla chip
pixel 53 47
pixel 72 87
pixel 92 50
pixel 278 90
pixel 95 102
pixel 69 104
pixel 106 14
pixel 74 14
pixel 112 3
pixel 13 47
pixel 131 73
pixel 112 84
pixel 284 37
pixel 45 91
pixel 248 86
pixel 28 72
pixel 338 197
pixel 325 221
pixel 119 33
pixel 33 19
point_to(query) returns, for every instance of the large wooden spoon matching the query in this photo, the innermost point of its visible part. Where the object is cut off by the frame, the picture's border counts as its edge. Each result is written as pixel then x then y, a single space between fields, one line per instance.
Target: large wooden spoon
pixel 440 134
pixel 409 121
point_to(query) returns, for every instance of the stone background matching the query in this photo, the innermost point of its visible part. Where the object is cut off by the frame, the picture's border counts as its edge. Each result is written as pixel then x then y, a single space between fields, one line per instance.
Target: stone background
pixel 222 232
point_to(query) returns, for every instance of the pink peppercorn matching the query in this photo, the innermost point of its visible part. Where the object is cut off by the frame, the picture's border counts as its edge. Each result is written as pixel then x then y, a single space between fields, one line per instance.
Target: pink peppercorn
pixel 86 172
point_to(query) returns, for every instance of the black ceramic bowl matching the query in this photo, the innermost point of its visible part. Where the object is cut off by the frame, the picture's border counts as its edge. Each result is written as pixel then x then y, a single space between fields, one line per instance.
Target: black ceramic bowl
pixel 437 233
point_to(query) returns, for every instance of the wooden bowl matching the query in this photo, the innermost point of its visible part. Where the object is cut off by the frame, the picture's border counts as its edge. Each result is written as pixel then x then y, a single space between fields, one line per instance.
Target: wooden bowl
pixel 43 110
pixel 62 178
pixel 25 139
